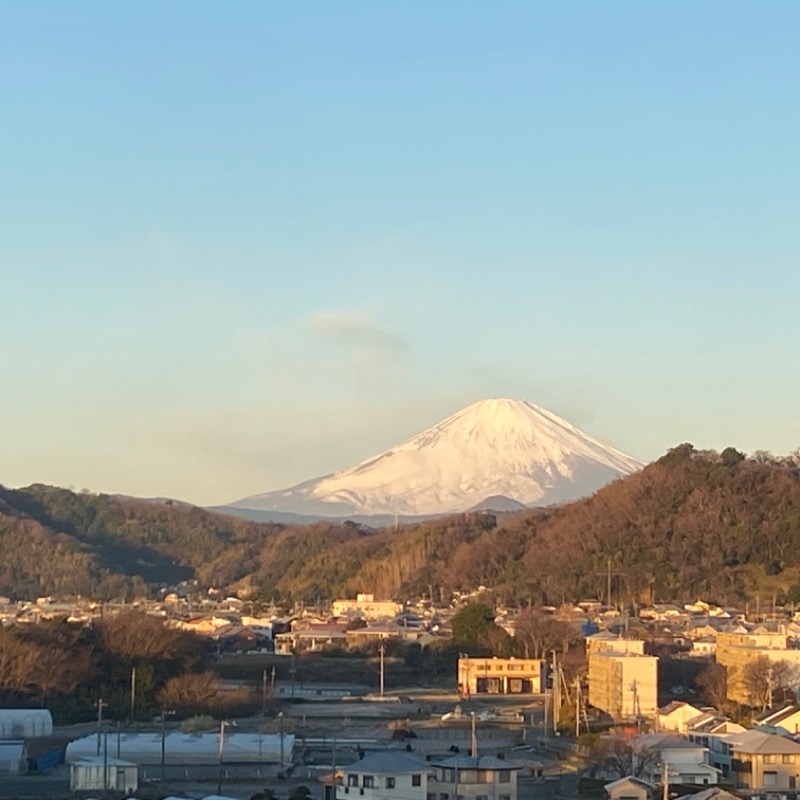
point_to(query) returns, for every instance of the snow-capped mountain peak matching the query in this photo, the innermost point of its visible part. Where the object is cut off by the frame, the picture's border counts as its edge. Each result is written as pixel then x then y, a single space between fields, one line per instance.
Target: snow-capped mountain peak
pixel 492 448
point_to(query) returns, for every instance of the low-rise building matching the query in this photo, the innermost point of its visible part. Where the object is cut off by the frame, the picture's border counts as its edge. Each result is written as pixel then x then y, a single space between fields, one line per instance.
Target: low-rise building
pixel 474 778
pixel 764 760
pixel 98 774
pixel 501 675
pixel 365 605
pixel 629 788
pixel 383 776
pixel 686 762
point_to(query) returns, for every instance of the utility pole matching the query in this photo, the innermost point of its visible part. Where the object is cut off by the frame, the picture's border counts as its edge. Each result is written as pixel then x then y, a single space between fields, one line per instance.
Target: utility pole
pixel 105 765
pixel 133 694
pixel 222 725
pixel 556 694
pixel 163 746
pixel 474 752
pixel 264 693
pixel 382 651
pixel 280 723
pixel 769 688
pixel 333 767
pixel 546 704
pixel 100 706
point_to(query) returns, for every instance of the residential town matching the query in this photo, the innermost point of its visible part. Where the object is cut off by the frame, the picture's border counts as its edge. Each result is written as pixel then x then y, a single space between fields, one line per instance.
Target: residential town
pixel 600 710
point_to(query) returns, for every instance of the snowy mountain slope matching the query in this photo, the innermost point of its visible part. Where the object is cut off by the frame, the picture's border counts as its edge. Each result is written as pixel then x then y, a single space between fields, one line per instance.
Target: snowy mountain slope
pixel 493 448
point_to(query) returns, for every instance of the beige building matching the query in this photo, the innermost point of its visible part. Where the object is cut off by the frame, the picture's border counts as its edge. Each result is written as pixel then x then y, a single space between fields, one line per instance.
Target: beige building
pixel 624 685
pixel 501 675
pixel 605 642
pixel 474 778
pixel 764 761
pixel 629 788
pixel 736 650
pixel 365 605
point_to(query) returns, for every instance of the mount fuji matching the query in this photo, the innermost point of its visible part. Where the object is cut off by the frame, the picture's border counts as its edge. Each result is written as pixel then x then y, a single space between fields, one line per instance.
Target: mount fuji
pixel 494 453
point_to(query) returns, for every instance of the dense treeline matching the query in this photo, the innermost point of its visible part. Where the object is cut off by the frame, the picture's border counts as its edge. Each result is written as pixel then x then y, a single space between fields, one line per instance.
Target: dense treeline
pixel 70 668
pixel 703 523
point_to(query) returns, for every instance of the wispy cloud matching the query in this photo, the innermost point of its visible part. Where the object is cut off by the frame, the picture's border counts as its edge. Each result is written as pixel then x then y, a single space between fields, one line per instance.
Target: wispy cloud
pixel 367 338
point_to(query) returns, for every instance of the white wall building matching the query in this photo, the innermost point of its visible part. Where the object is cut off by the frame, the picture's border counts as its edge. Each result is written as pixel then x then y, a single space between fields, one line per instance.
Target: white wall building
pixel 386 776
pixel 475 778
pixel 88 775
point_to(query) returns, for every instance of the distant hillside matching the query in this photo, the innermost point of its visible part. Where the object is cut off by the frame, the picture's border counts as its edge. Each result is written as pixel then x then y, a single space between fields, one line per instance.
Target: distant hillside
pixel 708 524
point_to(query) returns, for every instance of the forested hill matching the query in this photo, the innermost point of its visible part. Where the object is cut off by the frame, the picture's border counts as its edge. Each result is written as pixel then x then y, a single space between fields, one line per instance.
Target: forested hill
pixel 692 523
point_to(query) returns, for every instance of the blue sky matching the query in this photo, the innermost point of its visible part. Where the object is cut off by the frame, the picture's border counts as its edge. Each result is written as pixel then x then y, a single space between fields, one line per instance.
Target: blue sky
pixel 244 244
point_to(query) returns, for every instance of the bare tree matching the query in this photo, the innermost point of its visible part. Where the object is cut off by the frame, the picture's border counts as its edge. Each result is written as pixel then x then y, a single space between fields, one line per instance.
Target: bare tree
pixel 768 682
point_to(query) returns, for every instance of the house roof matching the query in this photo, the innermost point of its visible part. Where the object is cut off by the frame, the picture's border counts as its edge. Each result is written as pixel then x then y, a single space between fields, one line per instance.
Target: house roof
pixel 383 762
pixel 714 793
pixel 776 715
pixel 754 741
pixel 628 779
pixel 654 741
pixel 476 762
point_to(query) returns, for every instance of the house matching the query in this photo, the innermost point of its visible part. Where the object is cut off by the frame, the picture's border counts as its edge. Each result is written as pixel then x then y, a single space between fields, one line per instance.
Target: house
pixel 241 639
pixel 313 637
pixel 92 774
pixel 474 778
pixel 686 761
pixel 710 731
pixel 675 716
pixel 378 632
pixel 386 775
pixel 786 717
pixel 703 646
pixel 501 676
pixel 764 761
pixel 629 788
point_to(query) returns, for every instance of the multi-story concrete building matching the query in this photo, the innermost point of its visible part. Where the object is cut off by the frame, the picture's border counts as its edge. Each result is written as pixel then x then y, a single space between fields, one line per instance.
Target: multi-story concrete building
pixel 501 675
pixel 605 642
pixel 736 651
pixel 624 685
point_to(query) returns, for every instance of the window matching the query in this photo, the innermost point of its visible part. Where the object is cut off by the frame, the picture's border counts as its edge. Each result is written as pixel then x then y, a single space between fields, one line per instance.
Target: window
pixel 769 760
pixel 390 783
pixel 444 796
pixel 504 776
pixel 482 797
pixel 770 779
pixel 431 796
pixel 505 797
pixel 368 782
pixel 352 780
pixel 416 780
pixel 788 759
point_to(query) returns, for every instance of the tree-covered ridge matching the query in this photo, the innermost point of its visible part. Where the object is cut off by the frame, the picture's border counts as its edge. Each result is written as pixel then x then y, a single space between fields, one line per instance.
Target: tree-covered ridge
pixel 716 525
